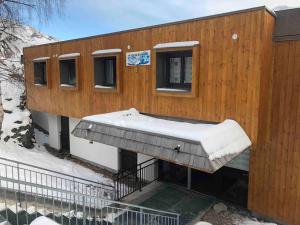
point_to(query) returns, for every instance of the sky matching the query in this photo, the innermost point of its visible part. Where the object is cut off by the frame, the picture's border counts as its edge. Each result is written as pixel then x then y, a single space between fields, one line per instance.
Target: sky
pixel 83 18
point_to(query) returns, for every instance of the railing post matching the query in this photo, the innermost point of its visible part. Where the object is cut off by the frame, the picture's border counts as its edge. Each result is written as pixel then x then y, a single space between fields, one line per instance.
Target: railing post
pixel 19 187
pixel 83 210
pixel 141 216
pixel 177 219
pixel 140 174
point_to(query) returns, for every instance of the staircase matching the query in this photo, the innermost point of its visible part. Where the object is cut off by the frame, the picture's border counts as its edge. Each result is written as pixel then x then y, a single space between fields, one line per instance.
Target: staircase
pixel 23 200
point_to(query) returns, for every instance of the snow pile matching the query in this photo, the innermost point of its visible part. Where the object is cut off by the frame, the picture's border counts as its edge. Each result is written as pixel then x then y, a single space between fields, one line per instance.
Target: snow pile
pixel 16 117
pixel 16 120
pixel 217 140
pixel 42 220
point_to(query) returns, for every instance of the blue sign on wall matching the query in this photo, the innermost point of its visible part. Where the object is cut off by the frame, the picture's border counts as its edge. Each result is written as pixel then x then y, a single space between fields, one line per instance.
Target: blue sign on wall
pixel 138 58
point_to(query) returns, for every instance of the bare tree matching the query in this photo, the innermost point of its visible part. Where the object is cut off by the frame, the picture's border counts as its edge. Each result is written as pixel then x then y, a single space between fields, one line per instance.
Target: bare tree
pixel 12 14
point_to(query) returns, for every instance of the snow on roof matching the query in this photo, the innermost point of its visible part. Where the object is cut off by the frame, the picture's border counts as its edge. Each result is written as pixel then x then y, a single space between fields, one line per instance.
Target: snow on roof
pixel 176 44
pixel 41 59
pixel 107 51
pixel 217 140
pixel 69 55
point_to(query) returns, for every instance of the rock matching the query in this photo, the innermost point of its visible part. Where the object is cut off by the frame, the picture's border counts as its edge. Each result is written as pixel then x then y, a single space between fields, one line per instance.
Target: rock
pixel 220 207
pixel 7 111
pixel 203 223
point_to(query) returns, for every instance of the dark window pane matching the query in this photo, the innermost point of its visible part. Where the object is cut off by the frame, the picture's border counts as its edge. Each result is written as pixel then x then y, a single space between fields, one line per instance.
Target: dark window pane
pixel 105 71
pixel 175 68
pixel 188 70
pixel 40 73
pixel 109 72
pixel 68 72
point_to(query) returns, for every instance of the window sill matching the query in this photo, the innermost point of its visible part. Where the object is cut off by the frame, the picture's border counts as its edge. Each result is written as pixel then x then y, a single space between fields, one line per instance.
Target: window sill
pixel 109 89
pixel 41 85
pixel 173 92
pixel 68 87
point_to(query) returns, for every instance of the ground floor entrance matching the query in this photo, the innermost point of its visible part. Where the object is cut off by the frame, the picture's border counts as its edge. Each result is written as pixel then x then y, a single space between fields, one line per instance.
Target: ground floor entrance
pixel 227 184
pixel 65 134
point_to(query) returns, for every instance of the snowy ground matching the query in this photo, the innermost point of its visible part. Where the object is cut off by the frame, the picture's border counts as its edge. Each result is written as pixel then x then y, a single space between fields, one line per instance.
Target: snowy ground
pixel 38 156
pixel 221 214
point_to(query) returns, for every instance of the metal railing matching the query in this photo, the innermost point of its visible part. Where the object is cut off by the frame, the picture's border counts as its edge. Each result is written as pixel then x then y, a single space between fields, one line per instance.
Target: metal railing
pixel 13 173
pixel 21 206
pixel 133 179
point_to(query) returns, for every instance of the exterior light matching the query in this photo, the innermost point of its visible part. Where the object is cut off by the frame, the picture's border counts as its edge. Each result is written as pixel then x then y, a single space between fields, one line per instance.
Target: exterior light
pixel 177 148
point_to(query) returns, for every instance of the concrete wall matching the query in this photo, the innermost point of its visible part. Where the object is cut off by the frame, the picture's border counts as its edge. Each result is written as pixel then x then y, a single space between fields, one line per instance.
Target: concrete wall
pixel 54 131
pixel 41 119
pixel 103 155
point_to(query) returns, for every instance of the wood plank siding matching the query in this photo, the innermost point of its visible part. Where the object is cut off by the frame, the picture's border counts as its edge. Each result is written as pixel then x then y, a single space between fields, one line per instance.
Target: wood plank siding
pixel 275 168
pixel 228 75
pixel 252 80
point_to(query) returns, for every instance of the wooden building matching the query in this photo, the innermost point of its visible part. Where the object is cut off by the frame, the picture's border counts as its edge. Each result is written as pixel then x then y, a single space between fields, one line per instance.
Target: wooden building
pixel 243 65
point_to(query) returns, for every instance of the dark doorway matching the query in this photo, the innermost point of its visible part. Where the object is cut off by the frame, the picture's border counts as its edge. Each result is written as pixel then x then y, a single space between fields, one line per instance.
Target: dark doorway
pixel 227 183
pixel 173 173
pixel 65 135
pixel 128 160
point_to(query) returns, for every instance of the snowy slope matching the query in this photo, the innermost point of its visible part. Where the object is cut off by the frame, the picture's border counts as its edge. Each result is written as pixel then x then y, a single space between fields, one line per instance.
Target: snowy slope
pixel 16 118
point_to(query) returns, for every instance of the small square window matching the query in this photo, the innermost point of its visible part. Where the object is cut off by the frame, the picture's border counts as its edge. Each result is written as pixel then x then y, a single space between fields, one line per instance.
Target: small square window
pixel 105 71
pixel 40 73
pixel 68 72
pixel 174 70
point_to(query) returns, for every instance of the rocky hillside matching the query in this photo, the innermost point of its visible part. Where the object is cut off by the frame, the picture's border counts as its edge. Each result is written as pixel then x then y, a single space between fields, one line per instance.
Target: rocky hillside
pixel 14 117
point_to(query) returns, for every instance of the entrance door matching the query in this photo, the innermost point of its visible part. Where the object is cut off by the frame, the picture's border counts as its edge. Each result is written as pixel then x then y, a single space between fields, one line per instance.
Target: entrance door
pixel 65 135
pixel 128 160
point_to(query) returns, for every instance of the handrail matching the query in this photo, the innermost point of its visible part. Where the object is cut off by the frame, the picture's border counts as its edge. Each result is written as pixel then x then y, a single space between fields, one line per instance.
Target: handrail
pixel 85 195
pixel 133 168
pixel 52 171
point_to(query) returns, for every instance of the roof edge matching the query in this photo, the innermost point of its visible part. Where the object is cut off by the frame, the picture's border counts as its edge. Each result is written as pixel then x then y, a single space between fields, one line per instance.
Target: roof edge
pixel 271 12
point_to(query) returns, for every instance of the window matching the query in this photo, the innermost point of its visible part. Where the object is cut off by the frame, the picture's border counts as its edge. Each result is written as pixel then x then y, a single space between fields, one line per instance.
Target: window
pixel 105 71
pixel 174 70
pixel 40 76
pixel 68 72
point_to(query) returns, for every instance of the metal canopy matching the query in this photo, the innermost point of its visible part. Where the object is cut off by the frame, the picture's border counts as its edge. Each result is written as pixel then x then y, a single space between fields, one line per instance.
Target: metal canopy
pixel 180 151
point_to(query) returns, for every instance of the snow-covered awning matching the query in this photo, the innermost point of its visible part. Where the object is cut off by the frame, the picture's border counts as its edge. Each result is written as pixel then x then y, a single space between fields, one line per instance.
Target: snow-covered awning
pixel 69 55
pixel 107 51
pixel 176 44
pixel 202 146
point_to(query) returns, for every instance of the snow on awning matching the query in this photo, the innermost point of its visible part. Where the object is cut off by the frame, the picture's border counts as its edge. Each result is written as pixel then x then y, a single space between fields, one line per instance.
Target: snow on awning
pixel 40 59
pixel 69 55
pixel 176 44
pixel 202 146
pixel 107 51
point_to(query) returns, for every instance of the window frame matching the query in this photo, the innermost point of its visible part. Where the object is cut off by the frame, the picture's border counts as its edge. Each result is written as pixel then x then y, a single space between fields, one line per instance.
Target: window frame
pixel 108 89
pixel 173 92
pixel 45 60
pixel 75 87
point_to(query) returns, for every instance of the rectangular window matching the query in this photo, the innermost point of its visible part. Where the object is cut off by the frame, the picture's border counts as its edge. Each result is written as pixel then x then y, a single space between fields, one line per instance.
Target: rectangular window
pixel 105 71
pixel 174 70
pixel 68 72
pixel 40 76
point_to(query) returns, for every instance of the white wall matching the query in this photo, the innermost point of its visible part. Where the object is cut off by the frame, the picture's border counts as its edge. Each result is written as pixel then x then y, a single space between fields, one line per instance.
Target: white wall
pixel 103 155
pixel 150 171
pixel 54 131
pixel 41 119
